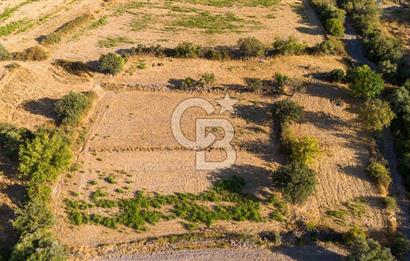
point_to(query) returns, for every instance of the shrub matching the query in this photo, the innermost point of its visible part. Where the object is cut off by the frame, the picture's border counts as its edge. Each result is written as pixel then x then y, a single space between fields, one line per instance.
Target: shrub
pixel 11 138
pixel 330 46
pixel 33 216
pixel 39 246
pixel 381 47
pixel 254 84
pixel 400 246
pixel 305 149
pixel 71 107
pixel 335 26
pixel 204 83
pixel 4 53
pixel 35 53
pixel 286 111
pixel 251 47
pixel 111 63
pixel 280 81
pixel 379 173
pixel 43 157
pixel 188 50
pixel 365 82
pixel 369 249
pixel 376 115
pixel 291 46
pixel 390 203
pixel 337 75
pixel 296 181
pixel 388 69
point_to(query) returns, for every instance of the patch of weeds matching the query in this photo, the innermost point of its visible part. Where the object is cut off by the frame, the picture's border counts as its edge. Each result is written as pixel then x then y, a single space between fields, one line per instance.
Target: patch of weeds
pixel 110 179
pixel 211 23
pixel 92 182
pixel 141 22
pixel 356 207
pixel 15 27
pixel 113 41
pixel 99 22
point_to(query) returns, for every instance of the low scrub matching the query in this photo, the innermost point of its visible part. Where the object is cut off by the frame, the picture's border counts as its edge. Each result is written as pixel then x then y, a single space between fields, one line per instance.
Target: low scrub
pixel 287 111
pixel 188 50
pixel 4 53
pixel 289 46
pixel 11 138
pixel 381 175
pixel 72 107
pixel 111 63
pixel 337 75
pixel 296 181
pixel 251 47
pixel 369 249
pixel 204 83
pixel 35 53
pixel 331 46
pixel 304 150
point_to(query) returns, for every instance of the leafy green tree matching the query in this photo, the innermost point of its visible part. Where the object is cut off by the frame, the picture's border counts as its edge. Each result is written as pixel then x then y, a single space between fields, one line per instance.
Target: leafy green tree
pixel 364 82
pixel 366 250
pixel 111 63
pixel 296 181
pixel 71 107
pixel 376 115
pixel 43 157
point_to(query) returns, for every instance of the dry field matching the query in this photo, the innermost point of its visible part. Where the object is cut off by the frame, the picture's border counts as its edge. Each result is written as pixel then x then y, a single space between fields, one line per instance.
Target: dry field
pixel 128 134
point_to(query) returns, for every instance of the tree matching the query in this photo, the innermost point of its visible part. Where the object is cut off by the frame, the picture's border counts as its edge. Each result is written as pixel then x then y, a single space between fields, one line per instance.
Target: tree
pixel 296 181
pixel 111 63
pixel 366 250
pixel 365 82
pixel 44 157
pixel 376 115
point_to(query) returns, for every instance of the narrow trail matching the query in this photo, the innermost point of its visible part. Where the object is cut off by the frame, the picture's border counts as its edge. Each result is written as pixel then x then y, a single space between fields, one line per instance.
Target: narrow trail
pixel 355 49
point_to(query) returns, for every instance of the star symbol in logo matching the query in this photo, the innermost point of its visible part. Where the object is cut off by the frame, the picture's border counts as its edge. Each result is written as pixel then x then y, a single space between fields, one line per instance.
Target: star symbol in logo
pixel 227 103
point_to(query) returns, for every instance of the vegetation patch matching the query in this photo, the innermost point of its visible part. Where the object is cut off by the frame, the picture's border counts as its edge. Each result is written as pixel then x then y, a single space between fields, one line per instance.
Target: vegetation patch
pixel 114 41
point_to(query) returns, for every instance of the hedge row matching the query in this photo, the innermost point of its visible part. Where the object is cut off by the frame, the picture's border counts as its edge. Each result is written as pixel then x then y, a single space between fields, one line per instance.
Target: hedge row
pixel 42 156
pixel 296 180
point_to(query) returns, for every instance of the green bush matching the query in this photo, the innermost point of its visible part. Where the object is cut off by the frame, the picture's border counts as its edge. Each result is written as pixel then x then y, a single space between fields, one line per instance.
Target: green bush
pixel 204 83
pixel 291 46
pixel 376 115
pixel 330 46
pixel 38 246
pixel 332 17
pixel 11 138
pixel 254 84
pixel 43 157
pixel 305 150
pixel 188 50
pixel 287 111
pixel 337 75
pixel 251 47
pixel 33 216
pixel 388 69
pixel 381 47
pixel 364 82
pixel 4 53
pixel 280 81
pixel 369 249
pixel 296 181
pixel 111 63
pixel 71 107
pixel 379 173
